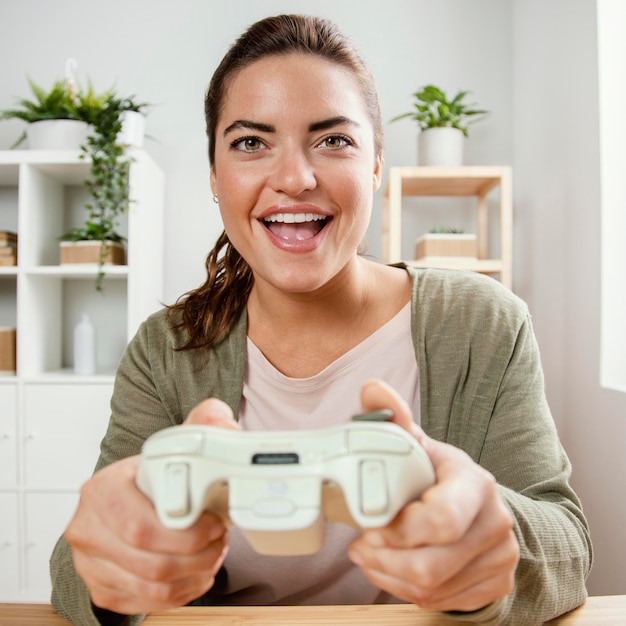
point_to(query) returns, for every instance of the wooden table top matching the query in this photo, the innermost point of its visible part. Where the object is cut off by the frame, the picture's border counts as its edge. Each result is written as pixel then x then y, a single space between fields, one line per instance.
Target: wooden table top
pixel 598 610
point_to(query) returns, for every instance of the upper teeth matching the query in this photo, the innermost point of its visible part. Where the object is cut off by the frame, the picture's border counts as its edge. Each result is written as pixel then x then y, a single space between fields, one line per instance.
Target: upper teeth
pixel 291 218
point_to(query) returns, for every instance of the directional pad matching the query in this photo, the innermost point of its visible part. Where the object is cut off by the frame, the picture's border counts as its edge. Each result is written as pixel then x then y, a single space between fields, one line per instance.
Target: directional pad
pixel 176 501
pixel 374 498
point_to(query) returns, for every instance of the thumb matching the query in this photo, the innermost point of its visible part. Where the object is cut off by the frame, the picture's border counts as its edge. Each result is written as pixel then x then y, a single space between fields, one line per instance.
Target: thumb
pixel 212 412
pixel 377 395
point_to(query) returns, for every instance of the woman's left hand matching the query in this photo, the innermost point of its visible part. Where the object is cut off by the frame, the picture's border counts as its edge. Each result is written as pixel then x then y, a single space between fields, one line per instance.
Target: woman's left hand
pixel 452 550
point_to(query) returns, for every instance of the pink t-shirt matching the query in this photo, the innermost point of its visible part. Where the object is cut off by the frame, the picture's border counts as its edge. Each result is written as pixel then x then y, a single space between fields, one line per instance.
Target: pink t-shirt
pixel 273 401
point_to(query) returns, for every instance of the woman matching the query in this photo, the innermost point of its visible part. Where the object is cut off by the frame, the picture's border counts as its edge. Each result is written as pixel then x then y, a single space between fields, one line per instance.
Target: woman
pixel 293 329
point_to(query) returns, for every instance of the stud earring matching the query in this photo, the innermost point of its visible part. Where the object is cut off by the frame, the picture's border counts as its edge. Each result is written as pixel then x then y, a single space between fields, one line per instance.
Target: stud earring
pixel 215 198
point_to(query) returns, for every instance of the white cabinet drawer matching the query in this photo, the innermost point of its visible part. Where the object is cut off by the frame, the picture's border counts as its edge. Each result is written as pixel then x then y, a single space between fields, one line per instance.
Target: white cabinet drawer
pixel 63 427
pixel 8 435
pixel 9 548
pixel 46 518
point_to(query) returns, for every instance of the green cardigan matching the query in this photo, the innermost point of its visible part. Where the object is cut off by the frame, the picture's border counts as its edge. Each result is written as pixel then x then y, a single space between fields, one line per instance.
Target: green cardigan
pixel 481 389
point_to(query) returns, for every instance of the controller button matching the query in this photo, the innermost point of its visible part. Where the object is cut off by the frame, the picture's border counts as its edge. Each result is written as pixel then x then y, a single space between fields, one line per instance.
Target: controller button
pixel 274 508
pixel 296 519
pixel 373 488
pixel 175 443
pixel 176 500
pixel 363 440
pixel 276 487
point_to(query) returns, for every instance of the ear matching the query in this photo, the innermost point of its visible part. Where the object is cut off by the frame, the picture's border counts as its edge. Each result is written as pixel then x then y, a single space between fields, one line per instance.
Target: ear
pixel 378 169
pixel 213 181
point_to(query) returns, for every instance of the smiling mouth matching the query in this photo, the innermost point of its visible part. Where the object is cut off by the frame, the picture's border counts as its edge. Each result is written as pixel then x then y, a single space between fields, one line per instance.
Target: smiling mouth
pixel 295 226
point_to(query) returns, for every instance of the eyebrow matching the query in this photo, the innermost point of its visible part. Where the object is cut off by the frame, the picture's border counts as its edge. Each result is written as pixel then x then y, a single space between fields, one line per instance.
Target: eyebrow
pixel 249 125
pixel 269 128
pixel 331 123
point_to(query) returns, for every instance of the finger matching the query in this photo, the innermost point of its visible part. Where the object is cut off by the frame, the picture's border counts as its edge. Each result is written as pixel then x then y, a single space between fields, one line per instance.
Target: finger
pixel 492 570
pixel 403 574
pixel 446 511
pixel 126 518
pixel 435 566
pixel 149 581
pixel 119 591
pixel 471 599
pixel 474 597
pixel 95 540
pixel 167 567
pixel 377 395
pixel 213 412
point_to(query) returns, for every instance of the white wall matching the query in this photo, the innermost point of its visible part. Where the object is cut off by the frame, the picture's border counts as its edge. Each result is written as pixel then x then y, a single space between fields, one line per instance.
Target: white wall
pixel 165 52
pixel 531 62
pixel 557 265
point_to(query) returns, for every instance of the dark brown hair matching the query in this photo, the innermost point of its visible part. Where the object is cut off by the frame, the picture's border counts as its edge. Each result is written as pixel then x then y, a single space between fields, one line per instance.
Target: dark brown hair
pixel 209 312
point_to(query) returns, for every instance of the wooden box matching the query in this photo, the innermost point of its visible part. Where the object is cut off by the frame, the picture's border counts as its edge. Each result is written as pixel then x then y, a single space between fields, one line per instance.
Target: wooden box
pixel 8 255
pixel 436 245
pixel 8 238
pixel 89 252
pixel 7 349
pixel 8 248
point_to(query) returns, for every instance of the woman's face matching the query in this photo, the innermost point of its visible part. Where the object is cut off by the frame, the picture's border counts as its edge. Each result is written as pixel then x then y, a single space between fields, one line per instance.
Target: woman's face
pixel 295 170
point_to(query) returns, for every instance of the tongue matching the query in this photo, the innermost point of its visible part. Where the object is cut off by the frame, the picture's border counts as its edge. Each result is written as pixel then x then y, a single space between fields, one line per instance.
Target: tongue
pixel 296 232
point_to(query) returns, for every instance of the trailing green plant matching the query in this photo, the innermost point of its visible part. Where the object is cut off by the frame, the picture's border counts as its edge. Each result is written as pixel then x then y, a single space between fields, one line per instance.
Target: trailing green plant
pixel 433 109
pixel 107 181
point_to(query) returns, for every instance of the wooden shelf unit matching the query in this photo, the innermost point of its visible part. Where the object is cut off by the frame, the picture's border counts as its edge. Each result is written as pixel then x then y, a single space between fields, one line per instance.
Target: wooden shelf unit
pixel 473 181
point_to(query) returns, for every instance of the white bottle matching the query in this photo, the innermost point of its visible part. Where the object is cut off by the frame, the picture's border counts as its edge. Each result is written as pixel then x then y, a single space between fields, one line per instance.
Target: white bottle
pixel 84 347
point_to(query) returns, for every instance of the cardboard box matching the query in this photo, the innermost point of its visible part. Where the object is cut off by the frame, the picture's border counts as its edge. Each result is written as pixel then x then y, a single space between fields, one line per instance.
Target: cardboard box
pixel 7 349
pixel 436 245
pixel 89 252
pixel 8 255
pixel 8 238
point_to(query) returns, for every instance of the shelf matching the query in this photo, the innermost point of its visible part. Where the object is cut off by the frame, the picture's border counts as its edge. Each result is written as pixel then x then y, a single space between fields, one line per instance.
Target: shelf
pixel 484 266
pixel 447 181
pixel 66 375
pixel 466 181
pixel 78 270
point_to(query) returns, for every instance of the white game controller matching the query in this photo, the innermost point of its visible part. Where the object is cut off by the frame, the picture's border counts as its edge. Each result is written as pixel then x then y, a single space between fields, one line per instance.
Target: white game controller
pixel 280 487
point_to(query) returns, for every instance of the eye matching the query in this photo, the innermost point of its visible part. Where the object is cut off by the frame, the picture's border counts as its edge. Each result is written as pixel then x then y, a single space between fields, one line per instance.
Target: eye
pixel 335 142
pixel 247 144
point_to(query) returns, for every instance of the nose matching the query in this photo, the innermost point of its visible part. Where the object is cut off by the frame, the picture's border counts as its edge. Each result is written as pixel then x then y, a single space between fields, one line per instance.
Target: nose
pixel 293 173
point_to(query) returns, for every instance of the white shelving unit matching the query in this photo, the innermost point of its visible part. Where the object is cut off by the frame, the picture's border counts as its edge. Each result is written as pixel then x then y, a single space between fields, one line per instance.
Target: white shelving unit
pixel 52 421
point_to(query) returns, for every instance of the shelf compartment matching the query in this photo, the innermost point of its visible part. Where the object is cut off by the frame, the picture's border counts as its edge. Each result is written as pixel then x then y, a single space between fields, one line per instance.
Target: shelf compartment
pixel 49 345
pixel 466 181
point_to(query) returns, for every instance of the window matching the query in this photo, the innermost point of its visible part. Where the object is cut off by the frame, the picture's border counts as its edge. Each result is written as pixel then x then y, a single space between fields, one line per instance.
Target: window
pixel 612 96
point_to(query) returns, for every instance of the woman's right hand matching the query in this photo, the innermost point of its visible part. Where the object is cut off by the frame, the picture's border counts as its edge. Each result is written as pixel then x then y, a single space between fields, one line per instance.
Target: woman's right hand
pixel 128 560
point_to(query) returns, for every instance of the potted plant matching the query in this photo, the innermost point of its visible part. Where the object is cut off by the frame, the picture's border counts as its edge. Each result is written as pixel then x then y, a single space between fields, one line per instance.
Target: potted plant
pixel 443 124
pixel 109 124
pixel 58 118
pixel 446 242
pixel 98 240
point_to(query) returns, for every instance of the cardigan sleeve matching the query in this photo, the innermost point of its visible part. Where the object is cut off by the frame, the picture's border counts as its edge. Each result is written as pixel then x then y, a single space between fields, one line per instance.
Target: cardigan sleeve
pixel 482 390
pixel 156 386
pixel 522 449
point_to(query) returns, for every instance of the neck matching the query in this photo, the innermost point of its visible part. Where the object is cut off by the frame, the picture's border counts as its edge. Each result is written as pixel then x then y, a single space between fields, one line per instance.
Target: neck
pixel 337 302
pixel 301 334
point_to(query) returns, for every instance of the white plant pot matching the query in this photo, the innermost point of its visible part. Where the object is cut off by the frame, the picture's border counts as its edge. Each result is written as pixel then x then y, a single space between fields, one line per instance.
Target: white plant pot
pixel 133 129
pixel 440 147
pixel 57 134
